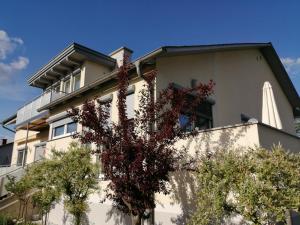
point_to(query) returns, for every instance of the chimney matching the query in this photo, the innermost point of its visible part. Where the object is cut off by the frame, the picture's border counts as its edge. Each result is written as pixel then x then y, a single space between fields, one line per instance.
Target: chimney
pixel 3 141
pixel 120 54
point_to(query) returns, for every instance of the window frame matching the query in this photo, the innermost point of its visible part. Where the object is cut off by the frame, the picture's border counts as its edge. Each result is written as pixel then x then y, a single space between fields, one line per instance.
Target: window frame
pixel 68 80
pixel 199 115
pixel 54 129
pixel 67 126
pixel 65 129
pixel 24 157
pixel 74 82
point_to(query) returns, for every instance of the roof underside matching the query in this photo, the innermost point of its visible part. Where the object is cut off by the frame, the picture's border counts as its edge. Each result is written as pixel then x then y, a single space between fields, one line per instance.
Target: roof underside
pixel 66 62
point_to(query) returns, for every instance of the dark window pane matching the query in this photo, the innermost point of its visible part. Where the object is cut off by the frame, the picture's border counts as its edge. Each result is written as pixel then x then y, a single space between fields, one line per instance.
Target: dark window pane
pixel 203 118
pixel 58 131
pixel 71 127
pixel 21 157
pixel 202 123
pixel 184 122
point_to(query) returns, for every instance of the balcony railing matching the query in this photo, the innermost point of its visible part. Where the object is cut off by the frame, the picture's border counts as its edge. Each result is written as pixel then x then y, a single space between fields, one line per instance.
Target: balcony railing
pixel 30 111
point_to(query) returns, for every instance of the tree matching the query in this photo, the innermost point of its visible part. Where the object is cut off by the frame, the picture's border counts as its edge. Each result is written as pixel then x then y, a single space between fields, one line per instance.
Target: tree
pixel 260 185
pixel 75 177
pixel 21 189
pixel 44 183
pixel 138 155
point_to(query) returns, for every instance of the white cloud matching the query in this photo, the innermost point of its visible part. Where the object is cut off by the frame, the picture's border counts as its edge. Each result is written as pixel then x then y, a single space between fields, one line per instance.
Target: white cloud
pixel 9 86
pixel 8 44
pixel 292 65
pixel 9 69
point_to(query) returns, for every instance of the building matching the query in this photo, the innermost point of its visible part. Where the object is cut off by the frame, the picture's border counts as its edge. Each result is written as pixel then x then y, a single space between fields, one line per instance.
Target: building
pixel 6 149
pixel 254 104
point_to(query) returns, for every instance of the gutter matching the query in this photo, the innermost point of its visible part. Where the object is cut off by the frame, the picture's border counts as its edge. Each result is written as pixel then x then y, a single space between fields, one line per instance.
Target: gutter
pixel 6 121
pixel 6 128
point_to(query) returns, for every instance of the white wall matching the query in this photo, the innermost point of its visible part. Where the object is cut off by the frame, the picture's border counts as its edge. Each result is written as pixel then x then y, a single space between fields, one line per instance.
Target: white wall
pixel 239 77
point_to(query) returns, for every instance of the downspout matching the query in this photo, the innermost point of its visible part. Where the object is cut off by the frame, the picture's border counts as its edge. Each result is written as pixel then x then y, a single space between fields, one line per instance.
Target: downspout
pixel 138 68
pixel 151 212
pixel 26 143
pixel 11 130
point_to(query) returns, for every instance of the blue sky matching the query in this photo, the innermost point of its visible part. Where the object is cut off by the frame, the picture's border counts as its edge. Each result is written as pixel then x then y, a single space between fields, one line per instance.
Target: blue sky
pixel 32 32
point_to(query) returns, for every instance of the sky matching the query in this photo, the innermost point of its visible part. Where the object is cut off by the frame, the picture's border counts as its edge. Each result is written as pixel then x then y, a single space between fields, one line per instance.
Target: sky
pixel 34 31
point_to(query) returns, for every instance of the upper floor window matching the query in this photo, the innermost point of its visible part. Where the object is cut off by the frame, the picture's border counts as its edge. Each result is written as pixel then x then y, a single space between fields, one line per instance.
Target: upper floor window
pixel 202 121
pixel 130 105
pixel 63 127
pixel 58 131
pixel 67 86
pixel 71 127
pixel 56 88
pixel 77 81
pixel 104 100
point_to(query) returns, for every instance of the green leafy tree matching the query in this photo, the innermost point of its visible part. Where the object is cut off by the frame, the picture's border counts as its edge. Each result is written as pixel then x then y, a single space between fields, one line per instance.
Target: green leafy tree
pixel 76 178
pixel 21 189
pixel 45 184
pixel 259 185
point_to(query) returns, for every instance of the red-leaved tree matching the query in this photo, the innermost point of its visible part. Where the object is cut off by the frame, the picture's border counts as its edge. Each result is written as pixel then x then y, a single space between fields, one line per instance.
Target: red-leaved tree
pixel 138 155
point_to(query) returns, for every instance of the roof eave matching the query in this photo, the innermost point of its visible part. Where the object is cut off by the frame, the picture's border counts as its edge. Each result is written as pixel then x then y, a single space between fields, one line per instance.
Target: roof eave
pixel 66 56
pixel 9 120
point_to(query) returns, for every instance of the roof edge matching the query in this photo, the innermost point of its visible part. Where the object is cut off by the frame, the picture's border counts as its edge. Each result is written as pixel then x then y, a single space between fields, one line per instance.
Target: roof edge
pixel 68 50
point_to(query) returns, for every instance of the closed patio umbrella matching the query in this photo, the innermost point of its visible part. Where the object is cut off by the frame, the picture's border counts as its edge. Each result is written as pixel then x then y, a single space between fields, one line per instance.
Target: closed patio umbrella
pixel 270 113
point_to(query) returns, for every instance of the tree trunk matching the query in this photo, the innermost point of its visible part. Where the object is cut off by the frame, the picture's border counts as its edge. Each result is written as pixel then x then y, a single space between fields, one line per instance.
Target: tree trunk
pixel 136 219
pixel 77 219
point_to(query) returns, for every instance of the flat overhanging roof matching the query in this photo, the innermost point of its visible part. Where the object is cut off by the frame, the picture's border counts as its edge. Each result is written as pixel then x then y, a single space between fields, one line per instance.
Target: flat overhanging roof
pixel 66 62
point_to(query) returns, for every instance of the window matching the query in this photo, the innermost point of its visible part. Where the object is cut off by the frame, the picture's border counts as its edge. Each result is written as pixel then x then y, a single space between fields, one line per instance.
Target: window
pixel 67 86
pixel 63 127
pixel 202 121
pixel 76 84
pixel 57 131
pixel 39 152
pixel 71 127
pixel 104 100
pixel 130 105
pixel 22 157
pixel 56 88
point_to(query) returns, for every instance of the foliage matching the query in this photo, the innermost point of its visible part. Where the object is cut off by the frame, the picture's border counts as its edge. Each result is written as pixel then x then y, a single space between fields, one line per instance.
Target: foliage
pixel 45 183
pixel 6 220
pixel 75 177
pixel 138 155
pixel 259 185
pixel 21 189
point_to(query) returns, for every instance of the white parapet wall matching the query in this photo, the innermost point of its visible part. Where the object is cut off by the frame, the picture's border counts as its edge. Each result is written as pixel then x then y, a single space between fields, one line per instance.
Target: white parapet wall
pixel 178 206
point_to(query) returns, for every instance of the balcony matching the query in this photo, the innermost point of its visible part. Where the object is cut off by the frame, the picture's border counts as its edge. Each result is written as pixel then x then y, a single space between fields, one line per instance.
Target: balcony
pixel 29 114
pixel 241 137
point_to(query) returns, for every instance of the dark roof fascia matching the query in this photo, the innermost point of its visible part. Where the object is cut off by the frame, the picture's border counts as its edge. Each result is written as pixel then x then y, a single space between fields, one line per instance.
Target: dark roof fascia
pixel 74 47
pixel 282 76
pixel 196 49
pixel 9 119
